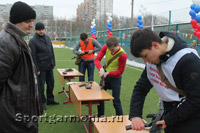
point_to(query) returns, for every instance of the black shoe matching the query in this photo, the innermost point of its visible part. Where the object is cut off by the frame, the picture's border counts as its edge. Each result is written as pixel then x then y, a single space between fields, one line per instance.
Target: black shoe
pixel 44 107
pixel 52 103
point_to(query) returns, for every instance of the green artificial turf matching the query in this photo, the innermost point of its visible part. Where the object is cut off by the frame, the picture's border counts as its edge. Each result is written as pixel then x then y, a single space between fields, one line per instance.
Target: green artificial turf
pixel 54 118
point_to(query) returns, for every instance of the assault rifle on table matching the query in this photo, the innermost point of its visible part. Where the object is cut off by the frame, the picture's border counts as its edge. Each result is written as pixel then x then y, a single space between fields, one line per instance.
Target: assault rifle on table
pixel 87 86
pixel 155 118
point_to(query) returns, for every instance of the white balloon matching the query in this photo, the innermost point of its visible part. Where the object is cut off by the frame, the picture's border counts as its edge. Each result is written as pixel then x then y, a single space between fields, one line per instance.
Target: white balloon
pixel 197 2
pixel 109 18
pixel 109 14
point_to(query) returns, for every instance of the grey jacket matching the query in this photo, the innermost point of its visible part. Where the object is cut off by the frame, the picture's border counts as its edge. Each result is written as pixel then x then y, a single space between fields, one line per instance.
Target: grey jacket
pixel 95 43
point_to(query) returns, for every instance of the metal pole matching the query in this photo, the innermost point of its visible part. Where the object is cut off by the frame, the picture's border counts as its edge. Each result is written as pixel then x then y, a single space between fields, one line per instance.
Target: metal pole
pixel 132 12
pixel 71 30
pixel 104 38
pixel 170 20
pixel 126 33
pixel 100 12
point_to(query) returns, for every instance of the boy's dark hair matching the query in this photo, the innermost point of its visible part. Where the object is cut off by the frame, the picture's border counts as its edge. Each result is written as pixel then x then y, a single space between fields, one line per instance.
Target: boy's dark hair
pixel 83 36
pixel 142 39
pixel 112 41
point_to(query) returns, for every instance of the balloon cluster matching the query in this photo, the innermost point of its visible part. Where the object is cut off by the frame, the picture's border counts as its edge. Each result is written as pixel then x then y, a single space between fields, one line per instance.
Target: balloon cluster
pixel 93 29
pixel 140 22
pixel 109 26
pixel 195 9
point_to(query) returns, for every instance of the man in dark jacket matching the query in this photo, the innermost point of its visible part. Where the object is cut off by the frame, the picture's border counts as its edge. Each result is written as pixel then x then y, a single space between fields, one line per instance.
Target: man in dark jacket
pixel 19 96
pixel 43 56
pixel 180 66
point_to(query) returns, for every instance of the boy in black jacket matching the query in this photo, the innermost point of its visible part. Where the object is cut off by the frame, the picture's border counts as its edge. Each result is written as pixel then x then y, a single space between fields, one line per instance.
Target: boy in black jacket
pixel 181 67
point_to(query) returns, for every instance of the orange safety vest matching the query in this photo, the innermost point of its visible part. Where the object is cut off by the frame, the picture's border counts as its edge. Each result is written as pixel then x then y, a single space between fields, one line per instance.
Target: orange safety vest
pixel 89 47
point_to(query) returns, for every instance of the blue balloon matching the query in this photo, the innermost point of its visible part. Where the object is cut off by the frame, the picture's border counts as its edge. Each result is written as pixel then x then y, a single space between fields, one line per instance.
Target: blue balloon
pixel 141 27
pixel 193 17
pixel 192 13
pixel 137 21
pixel 193 6
pixel 197 9
pixel 110 22
pixel 198 18
pixel 139 17
pixel 138 25
pixel 140 22
pixel 94 33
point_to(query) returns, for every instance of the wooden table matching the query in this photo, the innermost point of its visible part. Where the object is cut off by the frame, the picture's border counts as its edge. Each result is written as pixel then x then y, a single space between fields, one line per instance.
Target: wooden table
pixel 68 76
pixel 115 124
pixel 88 97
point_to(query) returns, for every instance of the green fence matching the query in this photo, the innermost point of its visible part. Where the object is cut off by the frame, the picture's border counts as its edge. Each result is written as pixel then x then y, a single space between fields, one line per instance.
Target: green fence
pixel 183 30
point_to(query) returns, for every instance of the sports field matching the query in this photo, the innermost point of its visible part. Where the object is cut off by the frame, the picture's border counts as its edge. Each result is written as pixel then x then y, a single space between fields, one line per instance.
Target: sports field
pixel 56 119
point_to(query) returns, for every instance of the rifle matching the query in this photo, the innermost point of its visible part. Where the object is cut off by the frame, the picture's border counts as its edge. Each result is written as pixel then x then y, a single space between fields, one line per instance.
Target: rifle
pixel 102 81
pixel 87 86
pixel 155 118
pixel 79 55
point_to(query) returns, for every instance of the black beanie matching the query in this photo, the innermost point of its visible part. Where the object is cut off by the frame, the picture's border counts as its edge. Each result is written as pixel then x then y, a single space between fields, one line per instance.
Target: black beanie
pixel 20 12
pixel 39 26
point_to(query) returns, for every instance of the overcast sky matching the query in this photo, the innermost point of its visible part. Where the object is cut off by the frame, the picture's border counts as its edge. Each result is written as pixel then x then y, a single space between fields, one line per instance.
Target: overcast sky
pixel 67 8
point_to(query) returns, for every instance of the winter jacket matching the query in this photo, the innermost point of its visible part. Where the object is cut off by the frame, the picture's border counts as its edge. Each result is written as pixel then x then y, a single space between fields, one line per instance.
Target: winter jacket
pixel 42 52
pixel 19 95
pixel 185 75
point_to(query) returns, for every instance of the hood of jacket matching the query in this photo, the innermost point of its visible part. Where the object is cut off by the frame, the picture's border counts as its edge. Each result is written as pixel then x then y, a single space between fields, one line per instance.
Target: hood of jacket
pixel 178 45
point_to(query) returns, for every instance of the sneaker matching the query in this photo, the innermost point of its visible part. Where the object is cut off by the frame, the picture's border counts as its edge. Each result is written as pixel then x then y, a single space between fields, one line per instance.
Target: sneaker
pixel 52 103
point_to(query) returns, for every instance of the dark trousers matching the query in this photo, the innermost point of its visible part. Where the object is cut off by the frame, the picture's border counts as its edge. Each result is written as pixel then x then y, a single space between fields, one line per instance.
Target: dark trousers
pixel 89 65
pixel 48 77
pixel 190 125
pixel 115 85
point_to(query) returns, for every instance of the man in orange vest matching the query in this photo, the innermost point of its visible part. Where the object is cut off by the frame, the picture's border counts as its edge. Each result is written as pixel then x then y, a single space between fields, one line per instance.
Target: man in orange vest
pixel 87 55
pixel 113 73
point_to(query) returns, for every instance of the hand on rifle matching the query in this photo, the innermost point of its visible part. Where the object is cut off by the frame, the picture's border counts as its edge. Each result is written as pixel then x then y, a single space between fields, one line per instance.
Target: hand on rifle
pixel 162 123
pixel 81 52
pixel 103 73
pixel 137 124
pixel 90 52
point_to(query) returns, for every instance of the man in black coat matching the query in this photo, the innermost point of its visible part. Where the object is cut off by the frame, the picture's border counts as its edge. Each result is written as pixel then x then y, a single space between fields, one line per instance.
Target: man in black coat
pixel 19 96
pixel 43 56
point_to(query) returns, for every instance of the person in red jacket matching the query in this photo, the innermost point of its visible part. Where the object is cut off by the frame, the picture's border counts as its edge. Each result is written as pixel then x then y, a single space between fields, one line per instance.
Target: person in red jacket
pixel 113 73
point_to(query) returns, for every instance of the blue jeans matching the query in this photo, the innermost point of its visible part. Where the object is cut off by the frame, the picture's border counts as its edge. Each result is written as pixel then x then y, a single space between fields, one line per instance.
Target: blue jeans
pixel 48 77
pixel 115 85
pixel 89 65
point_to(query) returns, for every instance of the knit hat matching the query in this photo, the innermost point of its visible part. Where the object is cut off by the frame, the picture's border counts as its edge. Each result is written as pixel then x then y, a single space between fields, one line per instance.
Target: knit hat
pixel 20 12
pixel 39 26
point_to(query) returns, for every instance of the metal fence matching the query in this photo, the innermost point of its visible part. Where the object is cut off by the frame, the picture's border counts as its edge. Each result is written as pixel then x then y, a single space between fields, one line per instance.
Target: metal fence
pixel 183 30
